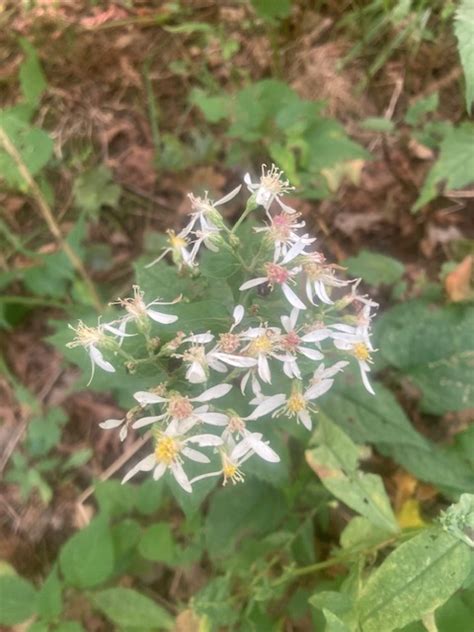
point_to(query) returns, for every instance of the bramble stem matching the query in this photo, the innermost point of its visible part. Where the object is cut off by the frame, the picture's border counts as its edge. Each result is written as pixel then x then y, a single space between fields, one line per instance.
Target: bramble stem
pixel 47 214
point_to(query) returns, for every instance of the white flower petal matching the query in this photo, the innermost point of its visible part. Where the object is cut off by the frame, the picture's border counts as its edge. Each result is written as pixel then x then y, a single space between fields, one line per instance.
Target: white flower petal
pixel 98 359
pixel 180 476
pixel 200 339
pixel 146 421
pixel 312 354
pixel 238 314
pixel 111 423
pixel 270 404
pixel 365 381
pixel 213 393
pixel 145 397
pixel 322 293
pixel 293 252
pixel 159 317
pixel 305 419
pixel 205 440
pixel 291 297
pixel 196 373
pixel 214 419
pixel 252 283
pixel 145 465
pixel 159 470
pixel 236 360
pixel 229 196
pixel 264 369
pixel 316 336
pixel 195 455
pixel 318 389
pixel 262 449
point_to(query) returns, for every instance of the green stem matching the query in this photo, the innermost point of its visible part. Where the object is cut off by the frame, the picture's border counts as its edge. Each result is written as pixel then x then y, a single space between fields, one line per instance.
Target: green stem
pixel 352 554
pixel 251 206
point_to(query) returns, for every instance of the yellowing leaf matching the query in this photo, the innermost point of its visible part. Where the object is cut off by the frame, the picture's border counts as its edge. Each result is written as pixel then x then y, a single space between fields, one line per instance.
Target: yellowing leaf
pixel 409 515
pixel 458 282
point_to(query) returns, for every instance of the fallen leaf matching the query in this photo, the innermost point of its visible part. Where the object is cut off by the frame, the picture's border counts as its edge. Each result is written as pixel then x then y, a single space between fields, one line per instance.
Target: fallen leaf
pixel 458 282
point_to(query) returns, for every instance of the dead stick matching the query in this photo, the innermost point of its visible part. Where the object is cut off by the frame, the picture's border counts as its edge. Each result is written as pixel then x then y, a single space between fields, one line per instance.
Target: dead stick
pixel 116 465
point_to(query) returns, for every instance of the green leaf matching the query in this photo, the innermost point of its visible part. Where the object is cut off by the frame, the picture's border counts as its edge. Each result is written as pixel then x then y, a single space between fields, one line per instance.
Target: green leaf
pixel 50 601
pixel 454 168
pixel 18 600
pixel 361 533
pixel 335 461
pixel 87 559
pixel 434 347
pixel 127 607
pixel 32 79
pixel 94 189
pixel 33 144
pixel 215 108
pixel 374 268
pixel 380 420
pixel 254 508
pixel 333 623
pixel 270 9
pixel 464 30
pixel 459 519
pixel 417 110
pixel 44 432
pixel 414 580
pixel 157 544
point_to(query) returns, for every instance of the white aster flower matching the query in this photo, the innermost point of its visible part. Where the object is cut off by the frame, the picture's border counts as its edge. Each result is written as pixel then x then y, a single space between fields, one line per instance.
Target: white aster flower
pixel 262 344
pixel 282 232
pixel 170 447
pixel 179 247
pixel 270 187
pixel 205 214
pixel 234 454
pixel 357 344
pixel 180 407
pixel 278 274
pixel 90 338
pixel 294 341
pixel 320 276
pixel 138 311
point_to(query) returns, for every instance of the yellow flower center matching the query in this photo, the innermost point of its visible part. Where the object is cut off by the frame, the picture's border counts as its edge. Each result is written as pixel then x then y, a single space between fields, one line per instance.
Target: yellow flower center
pixel 166 450
pixel 85 335
pixel 231 471
pixel 361 352
pixel 175 241
pixel 296 403
pixel 262 344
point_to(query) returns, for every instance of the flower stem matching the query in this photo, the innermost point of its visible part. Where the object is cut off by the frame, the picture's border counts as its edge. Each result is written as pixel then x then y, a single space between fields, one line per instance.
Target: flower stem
pixel 251 206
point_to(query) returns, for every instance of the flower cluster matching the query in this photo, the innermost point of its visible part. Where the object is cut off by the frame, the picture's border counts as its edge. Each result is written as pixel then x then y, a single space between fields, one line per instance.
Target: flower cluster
pixel 210 408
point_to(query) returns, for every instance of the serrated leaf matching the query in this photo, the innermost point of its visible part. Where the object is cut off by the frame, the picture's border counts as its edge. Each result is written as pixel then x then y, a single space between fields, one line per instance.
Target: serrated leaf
pixel 454 168
pixel 94 189
pixel 127 607
pixel 414 580
pixel 87 559
pixel 375 268
pixel 214 107
pixel 335 461
pixel 464 30
pixel 434 347
pixel 18 600
pixel 33 144
pixel 381 421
